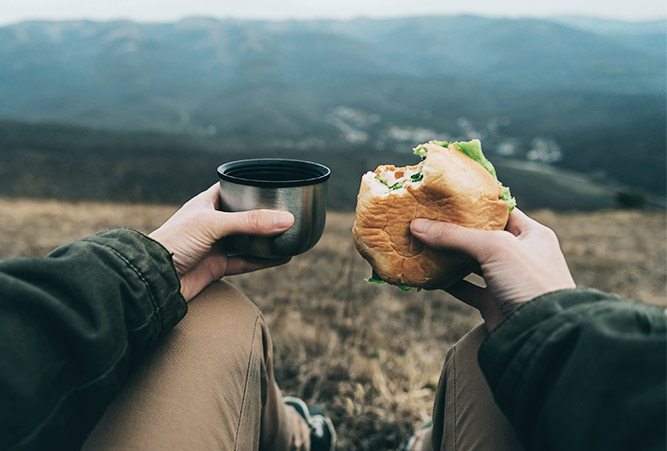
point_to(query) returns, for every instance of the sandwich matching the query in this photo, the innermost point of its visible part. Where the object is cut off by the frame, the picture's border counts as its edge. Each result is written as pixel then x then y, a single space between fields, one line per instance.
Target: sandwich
pixel 454 183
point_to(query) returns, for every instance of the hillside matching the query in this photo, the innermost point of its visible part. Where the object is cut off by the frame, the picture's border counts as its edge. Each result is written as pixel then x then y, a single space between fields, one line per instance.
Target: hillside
pixel 585 95
pixel 77 163
pixel 370 354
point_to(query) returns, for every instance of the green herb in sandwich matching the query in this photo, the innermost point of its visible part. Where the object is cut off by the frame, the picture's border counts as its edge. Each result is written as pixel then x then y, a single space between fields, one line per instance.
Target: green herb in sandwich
pixel 397 185
pixel 416 177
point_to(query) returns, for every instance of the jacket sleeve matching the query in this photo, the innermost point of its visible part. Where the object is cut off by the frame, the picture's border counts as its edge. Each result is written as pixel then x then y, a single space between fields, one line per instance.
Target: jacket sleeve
pixel 581 370
pixel 73 325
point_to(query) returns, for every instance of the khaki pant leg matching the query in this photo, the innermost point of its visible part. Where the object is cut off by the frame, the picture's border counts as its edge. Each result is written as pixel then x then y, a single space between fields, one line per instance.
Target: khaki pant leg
pixel 208 386
pixel 465 416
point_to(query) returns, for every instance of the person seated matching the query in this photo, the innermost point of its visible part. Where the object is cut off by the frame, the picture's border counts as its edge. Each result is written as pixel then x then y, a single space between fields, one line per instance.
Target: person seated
pixel 99 353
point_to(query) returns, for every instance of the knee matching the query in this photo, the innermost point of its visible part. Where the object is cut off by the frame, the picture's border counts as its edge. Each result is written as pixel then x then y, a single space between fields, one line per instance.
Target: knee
pixel 463 354
pixel 222 300
pixel 222 316
pixel 470 343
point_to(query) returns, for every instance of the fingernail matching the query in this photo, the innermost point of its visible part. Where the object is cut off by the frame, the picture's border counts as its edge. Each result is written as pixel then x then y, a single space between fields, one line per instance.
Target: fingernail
pixel 283 219
pixel 420 225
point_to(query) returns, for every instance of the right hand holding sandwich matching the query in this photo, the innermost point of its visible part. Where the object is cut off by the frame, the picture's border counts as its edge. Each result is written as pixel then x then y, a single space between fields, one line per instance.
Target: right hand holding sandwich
pixel 518 264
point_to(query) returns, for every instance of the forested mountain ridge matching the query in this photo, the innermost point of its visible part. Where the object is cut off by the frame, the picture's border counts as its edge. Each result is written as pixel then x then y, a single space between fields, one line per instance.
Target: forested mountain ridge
pixel 583 94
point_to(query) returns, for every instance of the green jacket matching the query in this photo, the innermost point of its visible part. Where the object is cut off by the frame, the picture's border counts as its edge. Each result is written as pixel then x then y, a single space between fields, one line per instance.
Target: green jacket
pixel 73 325
pixel 581 370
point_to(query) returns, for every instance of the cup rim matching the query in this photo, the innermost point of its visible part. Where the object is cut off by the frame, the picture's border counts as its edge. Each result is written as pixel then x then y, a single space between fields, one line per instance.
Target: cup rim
pixel 311 173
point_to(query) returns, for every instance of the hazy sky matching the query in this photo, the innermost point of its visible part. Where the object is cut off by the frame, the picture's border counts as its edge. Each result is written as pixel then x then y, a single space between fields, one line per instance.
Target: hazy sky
pixel 156 10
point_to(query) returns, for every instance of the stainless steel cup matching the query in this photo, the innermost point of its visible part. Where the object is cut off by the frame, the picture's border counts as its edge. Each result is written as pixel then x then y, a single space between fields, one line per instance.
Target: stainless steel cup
pixel 297 186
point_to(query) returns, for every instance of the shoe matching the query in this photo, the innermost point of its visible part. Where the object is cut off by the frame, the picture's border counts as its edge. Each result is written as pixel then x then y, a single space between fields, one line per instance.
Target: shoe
pixel 409 443
pixel 322 432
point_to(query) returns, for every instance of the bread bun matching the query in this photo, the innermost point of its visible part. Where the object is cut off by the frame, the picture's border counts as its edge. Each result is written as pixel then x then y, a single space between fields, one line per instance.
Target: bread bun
pixel 453 188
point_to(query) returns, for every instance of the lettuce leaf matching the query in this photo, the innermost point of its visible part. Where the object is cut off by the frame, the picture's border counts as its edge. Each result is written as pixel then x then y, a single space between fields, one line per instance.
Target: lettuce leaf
pixel 375 278
pixel 474 150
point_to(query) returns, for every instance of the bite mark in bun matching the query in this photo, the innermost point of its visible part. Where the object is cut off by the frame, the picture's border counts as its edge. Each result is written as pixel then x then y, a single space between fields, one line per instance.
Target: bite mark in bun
pixel 455 183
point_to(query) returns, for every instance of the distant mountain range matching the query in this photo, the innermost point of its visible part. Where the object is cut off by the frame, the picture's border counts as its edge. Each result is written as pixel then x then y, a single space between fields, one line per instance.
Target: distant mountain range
pixel 584 94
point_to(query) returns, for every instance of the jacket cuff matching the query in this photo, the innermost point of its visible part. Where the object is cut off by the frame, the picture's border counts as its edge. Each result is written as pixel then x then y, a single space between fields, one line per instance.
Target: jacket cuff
pixel 153 265
pixel 508 349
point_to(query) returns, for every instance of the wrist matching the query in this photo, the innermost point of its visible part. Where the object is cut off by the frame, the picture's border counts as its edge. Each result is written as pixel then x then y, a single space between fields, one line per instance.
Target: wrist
pixel 491 313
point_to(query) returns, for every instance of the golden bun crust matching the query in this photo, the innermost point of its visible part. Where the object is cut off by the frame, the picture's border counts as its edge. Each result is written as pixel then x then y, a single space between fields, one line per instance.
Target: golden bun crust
pixel 455 188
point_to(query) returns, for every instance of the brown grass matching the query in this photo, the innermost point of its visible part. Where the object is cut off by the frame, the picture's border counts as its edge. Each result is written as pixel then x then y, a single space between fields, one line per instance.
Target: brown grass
pixel 371 355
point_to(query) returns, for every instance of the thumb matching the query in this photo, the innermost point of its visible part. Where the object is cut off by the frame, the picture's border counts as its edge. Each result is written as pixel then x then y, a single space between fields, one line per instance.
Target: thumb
pixel 444 235
pixel 252 222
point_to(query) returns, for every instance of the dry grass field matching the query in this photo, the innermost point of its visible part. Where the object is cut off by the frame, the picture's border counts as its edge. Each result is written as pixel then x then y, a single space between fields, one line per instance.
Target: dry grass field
pixel 371 355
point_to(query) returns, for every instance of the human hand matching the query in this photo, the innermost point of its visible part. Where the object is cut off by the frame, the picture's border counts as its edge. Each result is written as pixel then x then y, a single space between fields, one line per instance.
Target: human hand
pixel 518 264
pixel 193 236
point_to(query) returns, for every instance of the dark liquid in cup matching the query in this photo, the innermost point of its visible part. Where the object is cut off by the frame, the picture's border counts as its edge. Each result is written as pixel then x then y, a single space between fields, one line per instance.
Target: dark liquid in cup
pixel 273 172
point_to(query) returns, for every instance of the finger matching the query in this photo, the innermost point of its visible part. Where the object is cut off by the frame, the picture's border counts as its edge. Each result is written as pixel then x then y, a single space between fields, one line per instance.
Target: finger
pixel 212 195
pixel 443 235
pixel 251 222
pixel 209 198
pixel 519 222
pixel 474 278
pixel 467 292
pixel 243 264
